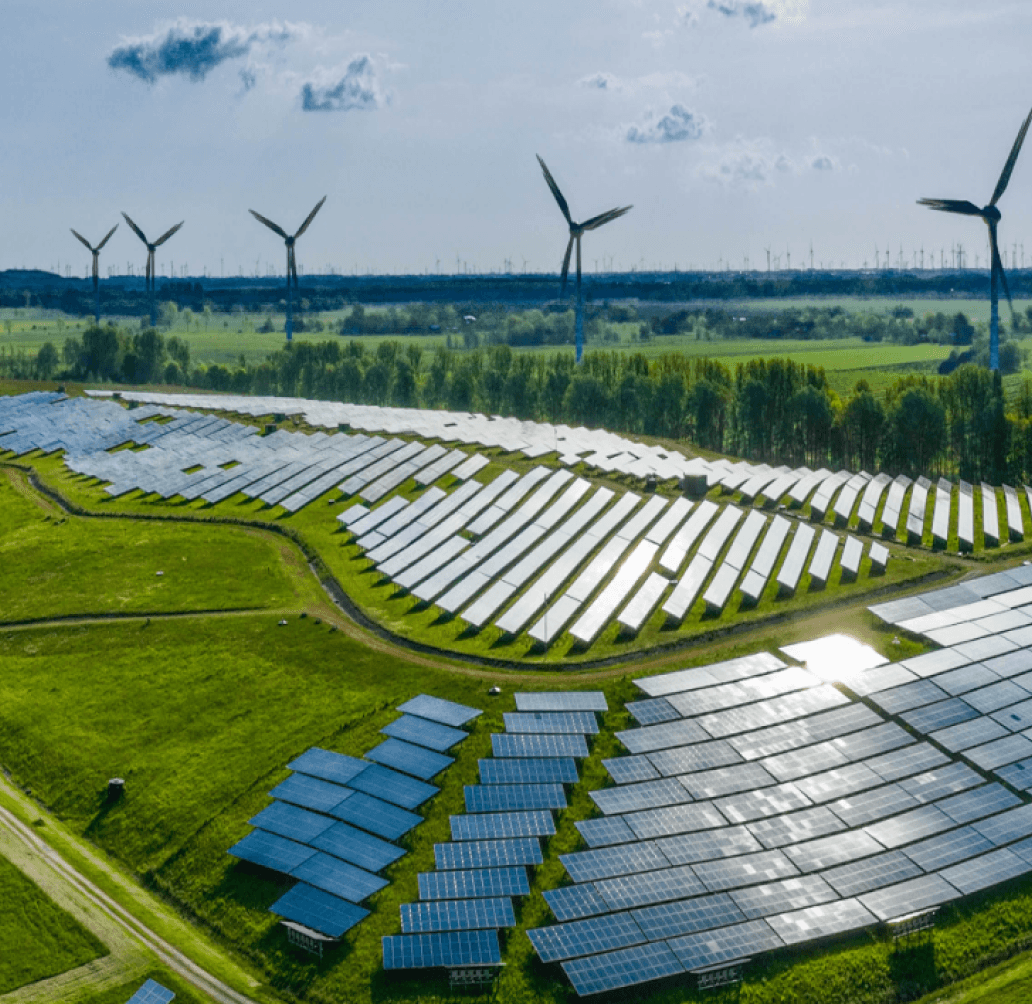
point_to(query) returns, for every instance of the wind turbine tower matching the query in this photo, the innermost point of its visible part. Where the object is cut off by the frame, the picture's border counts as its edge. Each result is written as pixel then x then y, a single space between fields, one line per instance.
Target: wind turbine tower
pixel 991 216
pixel 96 269
pixel 290 241
pixel 576 232
pixel 151 278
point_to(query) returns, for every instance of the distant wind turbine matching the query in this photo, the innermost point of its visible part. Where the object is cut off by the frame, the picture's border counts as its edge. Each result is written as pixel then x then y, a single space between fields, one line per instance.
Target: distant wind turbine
pixel 151 277
pixel 96 269
pixel 991 215
pixel 291 261
pixel 576 231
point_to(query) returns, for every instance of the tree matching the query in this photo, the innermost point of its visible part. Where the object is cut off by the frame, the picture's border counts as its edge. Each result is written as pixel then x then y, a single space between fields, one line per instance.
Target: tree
pixel 168 312
pixel 917 431
pixel 47 361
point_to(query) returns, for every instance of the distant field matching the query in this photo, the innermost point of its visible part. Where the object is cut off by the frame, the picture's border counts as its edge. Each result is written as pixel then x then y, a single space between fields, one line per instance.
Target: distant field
pixel 54 565
pixel 37 938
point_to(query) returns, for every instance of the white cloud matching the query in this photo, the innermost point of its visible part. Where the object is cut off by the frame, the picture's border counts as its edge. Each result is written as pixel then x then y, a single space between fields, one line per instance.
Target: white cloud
pixel 677 125
pixel 753 12
pixel 822 162
pixel 747 163
pixel 356 86
pixel 601 82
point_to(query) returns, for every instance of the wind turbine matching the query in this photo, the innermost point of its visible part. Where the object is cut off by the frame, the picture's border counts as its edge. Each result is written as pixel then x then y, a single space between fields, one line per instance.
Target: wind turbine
pixel 576 231
pixel 151 282
pixel 96 269
pixel 291 261
pixel 991 215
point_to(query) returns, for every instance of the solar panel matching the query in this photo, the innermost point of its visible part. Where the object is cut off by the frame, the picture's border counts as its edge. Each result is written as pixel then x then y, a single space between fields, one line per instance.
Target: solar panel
pixel 311 793
pixel 904 762
pixel 414 760
pixel 585 937
pixel 726 780
pixel 539 746
pixel 271 851
pixel 627 769
pixel 938 716
pixel 700 756
pixel 821 921
pixel 392 786
pixel 377 817
pixel 362 849
pixel 823 556
pixel 675 552
pixel 826 852
pixel 735 942
pixel 744 870
pixel 488 853
pixel 989 869
pixel 477 883
pixel 289 821
pixel 1006 826
pixel 509 797
pixel 573 901
pixel 453 948
pixel 529 770
pixel 623 968
pixel 909 826
pixel 662 736
pixel 787 894
pixel 647 795
pixel 437 710
pixel 558 722
pixel 328 766
pixel 338 877
pixel 795 827
pixel 422 732
pixel 792 567
pixel 643 888
pixel 497 825
pixel 1000 752
pixel 151 993
pixel 571 700
pixel 669 920
pixel 457 915
pixel 600 832
pixel 610 862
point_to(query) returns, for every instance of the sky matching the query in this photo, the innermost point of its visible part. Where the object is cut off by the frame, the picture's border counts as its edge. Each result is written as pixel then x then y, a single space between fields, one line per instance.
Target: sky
pixel 731 126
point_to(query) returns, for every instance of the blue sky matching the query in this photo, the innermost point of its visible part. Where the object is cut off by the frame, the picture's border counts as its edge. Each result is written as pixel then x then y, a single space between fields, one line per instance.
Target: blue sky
pixel 730 125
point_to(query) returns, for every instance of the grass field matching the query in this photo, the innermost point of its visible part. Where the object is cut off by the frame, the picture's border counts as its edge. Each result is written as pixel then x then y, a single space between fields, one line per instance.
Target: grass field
pixel 37 938
pixel 100 567
pixel 185 992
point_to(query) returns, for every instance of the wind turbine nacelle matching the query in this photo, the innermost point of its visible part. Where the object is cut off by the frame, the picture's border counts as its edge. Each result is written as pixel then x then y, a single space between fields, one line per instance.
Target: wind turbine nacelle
pixel 991 214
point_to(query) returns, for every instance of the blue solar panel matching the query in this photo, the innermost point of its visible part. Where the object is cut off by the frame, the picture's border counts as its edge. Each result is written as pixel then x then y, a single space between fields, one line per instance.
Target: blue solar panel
pixel 507 797
pixel 628 769
pixel 151 993
pixel 569 902
pixel 311 793
pixel 432 735
pixel 287 820
pixel 377 817
pixel 496 825
pixel 653 711
pixel 623 968
pixel 329 766
pixel 529 770
pixel 669 920
pixel 414 760
pixel 430 951
pixel 391 786
pixel 437 710
pixel 564 722
pixel 585 937
pixel 338 877
pixel 319 910
pixel 362 849
pixel 522 745
pixel 476 883
pixel 488 853
pixel 601 832
pixel 457 915
pixel 270 851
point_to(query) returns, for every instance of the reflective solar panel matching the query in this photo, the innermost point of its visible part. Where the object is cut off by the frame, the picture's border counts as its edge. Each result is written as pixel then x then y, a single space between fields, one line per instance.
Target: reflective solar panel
pixel 708 844
pixel 508 797
pixel 437 710
pixel 362 849
pixel 539 745
pixel 570 902
pixel 576 700
pixel 453 948
pixel 338 877
pixel 700 913
pixel 697 756
pixel 271 851
pixel 422 732
pixel 826 852
pixel 496 825
pixel 605 831
pixel 821 921
pixel 786 894
pixel 609 862
pixel 457 915
pixel 1006 826
pixel 939 716
pixel 475 883
pixel 655 737
pixel 488 853
pixel 627 769
pixel 653 711
pixel 623 968
pixel 529 770
pixel 640 889
pixel 647 795
pixel 794 827
pixel 988 870
pixel 414 760
pixel 735 942
pixel 557 722
pixel 585 937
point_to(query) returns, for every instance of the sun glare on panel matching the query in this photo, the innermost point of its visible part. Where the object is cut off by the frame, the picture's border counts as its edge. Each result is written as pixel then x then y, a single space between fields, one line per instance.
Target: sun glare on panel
pixel 835 658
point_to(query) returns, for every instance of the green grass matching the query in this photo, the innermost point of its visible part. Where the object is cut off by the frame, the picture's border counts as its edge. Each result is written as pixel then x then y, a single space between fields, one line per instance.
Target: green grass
pixel 186 993
pixel 37 938
pixel 54 565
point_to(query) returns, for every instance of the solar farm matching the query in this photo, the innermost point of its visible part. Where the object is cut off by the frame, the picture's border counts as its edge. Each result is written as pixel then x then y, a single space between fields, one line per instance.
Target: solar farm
pixel 704 723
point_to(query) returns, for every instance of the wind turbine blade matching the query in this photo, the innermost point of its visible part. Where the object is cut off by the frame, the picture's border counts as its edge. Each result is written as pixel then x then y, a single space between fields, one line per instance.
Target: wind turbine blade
pixel 961 206
pixel 1001 185
pixel 566 267
pixel 272 226
pixel 291 266
pixel 165 236
pixel 83 239
pixel 136 230
pixel 555 191
pixel 597 221
pixel 311 216
pixel 105 240
pixel 998 265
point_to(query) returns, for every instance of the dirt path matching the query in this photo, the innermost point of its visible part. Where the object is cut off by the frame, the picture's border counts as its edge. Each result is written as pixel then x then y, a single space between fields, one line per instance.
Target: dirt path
pixel 133 945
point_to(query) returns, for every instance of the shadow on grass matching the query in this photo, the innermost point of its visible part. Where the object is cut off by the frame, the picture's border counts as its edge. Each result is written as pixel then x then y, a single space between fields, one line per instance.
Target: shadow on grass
pixel 912 968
